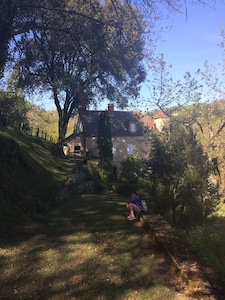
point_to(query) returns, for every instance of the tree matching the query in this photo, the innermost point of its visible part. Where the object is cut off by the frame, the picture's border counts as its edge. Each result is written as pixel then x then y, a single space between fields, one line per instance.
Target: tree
pixel 171 96
pixel 13 111
pixel 101 56
pixel 104 140
pixel 181 173
pixel 131 169
pixel 13 105
pixel 17 16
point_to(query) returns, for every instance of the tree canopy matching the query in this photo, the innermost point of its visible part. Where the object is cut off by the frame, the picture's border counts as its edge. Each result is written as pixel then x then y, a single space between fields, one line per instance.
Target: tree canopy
pixel 99 56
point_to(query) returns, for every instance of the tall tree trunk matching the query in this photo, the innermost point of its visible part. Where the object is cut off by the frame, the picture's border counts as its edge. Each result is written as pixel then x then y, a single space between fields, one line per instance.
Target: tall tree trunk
pixel 64 116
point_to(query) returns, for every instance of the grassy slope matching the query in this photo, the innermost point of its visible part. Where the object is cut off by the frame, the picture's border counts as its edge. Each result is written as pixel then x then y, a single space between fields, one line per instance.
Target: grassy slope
pixel 29 172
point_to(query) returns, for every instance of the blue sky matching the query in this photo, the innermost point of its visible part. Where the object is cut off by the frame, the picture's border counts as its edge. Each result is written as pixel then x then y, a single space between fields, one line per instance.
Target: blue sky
pixel 192 40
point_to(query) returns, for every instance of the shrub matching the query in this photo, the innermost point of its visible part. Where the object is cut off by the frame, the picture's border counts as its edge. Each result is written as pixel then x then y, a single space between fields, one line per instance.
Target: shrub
pixel 131 169
pixel 179 181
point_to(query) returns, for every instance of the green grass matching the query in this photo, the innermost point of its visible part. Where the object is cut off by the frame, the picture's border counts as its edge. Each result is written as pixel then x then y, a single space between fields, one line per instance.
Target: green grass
pixel 84 249
pixel 221 210
pixel 208 242
pixel 30 174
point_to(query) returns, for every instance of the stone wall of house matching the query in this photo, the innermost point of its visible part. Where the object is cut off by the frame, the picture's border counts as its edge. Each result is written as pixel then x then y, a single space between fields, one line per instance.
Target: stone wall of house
pixel 141 145
pixel 69 147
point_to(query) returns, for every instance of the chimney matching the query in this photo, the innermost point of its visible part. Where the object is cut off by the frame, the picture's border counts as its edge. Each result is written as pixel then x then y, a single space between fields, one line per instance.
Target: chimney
pixel 111 109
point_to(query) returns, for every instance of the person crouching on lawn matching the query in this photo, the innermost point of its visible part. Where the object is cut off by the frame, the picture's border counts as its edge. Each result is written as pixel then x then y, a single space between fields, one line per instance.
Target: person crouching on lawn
pixel 133 206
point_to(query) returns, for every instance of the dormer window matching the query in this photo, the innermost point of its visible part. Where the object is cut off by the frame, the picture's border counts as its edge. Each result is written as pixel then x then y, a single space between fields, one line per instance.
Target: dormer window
pixel 132 127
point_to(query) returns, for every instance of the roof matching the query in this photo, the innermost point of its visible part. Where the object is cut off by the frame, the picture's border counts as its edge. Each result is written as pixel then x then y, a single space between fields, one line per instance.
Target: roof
pixel 120 121
pixel 160 115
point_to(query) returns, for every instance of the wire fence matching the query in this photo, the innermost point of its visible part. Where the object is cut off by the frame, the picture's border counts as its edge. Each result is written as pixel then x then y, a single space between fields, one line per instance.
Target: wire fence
pixel 38 132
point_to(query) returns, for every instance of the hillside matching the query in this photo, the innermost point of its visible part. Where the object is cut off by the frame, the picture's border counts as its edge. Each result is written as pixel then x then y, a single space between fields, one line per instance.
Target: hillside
pixel 30 174
pixel 47 121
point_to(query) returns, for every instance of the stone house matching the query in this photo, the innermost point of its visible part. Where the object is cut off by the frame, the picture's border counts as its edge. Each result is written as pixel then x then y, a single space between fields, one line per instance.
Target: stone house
pixel 128 130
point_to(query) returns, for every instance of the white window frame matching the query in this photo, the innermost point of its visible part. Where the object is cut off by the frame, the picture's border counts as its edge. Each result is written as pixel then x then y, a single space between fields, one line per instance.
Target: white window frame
pixel 114 150
pixel 130 149
pixel 132 127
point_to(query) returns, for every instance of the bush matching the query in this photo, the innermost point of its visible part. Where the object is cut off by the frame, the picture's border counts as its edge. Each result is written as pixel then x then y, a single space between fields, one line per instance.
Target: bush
pixel 179 181
pixel 131 169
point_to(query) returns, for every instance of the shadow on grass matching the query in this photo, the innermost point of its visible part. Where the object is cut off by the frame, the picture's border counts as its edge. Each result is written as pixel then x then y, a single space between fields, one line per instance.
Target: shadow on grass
pixel 85 249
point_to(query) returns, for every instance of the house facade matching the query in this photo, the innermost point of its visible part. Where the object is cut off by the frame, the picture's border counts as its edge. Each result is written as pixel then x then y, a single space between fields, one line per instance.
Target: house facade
pixel 128 131
pixel 160 120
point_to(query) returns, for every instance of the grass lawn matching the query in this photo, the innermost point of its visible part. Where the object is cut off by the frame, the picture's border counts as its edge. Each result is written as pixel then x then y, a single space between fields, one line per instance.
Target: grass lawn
pixel 84 249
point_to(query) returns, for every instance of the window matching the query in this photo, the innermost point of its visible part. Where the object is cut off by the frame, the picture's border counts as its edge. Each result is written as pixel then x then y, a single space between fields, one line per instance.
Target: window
pixel 130 149
pixel 114 150
pixel 132 127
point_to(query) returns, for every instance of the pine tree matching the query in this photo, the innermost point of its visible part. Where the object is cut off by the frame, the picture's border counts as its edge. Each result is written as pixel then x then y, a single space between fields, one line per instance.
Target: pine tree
pixel 104 139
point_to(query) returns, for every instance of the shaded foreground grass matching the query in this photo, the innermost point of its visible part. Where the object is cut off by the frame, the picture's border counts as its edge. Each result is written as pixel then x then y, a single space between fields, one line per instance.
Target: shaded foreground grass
pixel 84 249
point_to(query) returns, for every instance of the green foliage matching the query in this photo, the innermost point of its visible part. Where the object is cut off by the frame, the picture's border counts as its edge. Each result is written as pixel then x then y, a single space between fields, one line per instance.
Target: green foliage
pixel 132 177
pixel 7 10
pixel 105 170
pixel 104 140
pixel 131 169
pixel 90 61
pixel 208 243
pixel 156 195
pixel 47 121
pixel 30 175
pixel 93 172
pixel 180 172
pixel 13 111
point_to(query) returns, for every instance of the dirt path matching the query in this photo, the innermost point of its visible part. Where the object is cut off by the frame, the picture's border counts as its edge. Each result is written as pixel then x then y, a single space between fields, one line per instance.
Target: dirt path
pixel 85 249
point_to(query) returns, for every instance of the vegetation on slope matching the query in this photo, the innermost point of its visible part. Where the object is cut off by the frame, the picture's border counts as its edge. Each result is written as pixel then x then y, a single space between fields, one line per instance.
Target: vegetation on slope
pixel 47 121
pixel 30 174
